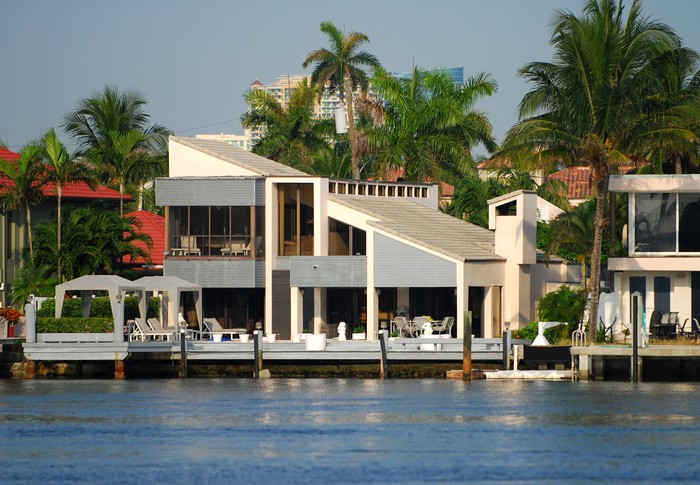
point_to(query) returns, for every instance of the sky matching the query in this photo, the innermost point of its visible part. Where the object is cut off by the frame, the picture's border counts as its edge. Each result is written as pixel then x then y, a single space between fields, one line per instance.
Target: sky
pixel 193 60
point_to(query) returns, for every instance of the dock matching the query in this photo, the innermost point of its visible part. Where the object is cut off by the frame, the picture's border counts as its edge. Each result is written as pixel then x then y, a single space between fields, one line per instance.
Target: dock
pixel 407 357
pixel 657 362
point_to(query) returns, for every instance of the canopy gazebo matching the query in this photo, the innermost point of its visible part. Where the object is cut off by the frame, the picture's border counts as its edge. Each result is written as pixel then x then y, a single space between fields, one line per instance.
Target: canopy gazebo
pixel 172 287
pixel 115 286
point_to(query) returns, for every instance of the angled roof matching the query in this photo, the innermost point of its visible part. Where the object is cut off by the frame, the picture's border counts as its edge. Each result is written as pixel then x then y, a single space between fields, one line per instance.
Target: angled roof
pixel 6 154
pixel 239 157
pixel 79 190
pixel 153 225
pixel 426 227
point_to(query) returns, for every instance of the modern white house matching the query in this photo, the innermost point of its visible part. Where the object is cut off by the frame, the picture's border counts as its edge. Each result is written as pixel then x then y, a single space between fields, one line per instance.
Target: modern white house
pixel 295 252
pixel 663 245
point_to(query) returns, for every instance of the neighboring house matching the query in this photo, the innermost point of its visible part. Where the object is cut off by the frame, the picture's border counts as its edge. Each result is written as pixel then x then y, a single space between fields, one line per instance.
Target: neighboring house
pixel 13 224
pixel 663 245
pixel 153 225
pixel 579 183
pixel 271 244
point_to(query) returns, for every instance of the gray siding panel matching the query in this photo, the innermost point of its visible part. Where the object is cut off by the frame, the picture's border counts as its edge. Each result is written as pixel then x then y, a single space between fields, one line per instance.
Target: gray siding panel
pixel 219 273
pixel 329 271
pixel 281 304
pixel 398 264
pixel 210 191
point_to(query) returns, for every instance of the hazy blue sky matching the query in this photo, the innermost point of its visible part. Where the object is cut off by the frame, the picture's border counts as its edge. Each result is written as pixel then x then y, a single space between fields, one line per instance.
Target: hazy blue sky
pixel 193 60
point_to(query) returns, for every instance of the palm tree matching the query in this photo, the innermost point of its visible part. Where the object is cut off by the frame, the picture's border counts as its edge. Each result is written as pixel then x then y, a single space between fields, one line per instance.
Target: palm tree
pixel 591 105
pixel 429 125
pixel 470 199
pixel 572 234
pixel 129 161
pixel 63 169
pixel 95 241
pixel 21 187
pixel 341 67
pixel 110 118
pixel 290 136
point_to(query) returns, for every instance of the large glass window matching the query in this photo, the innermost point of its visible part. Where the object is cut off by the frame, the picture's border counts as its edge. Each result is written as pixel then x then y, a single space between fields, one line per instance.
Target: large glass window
pixel 216 231
pixel 296 220
pixel 345 240
pixel 655 222
pixel 689 223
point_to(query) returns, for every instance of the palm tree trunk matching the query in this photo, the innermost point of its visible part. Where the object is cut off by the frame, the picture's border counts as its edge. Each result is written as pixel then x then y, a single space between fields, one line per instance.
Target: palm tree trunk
pixel 602 188
pixel 677 163
pixel 354 152
pixel 29 231
pixel 58 235
pixel 121 197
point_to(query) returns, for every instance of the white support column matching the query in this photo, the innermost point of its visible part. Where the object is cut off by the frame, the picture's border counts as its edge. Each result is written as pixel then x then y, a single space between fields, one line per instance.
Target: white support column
pixel 372 313
pixel 487 316
pixel 319 308
pixel 296 310
pixel 462 302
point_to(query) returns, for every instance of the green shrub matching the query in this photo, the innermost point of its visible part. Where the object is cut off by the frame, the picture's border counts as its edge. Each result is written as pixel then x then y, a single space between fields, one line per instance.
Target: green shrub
pixel 563 305
pixel 100 307
pixel 74 325
pixel 553 335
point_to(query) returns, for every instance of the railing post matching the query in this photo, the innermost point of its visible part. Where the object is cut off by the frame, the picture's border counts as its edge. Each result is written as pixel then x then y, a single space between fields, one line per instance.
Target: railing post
pixel 30 320
pixel 384 365
pixel 506 349
pixel 636 314
pixel 467 347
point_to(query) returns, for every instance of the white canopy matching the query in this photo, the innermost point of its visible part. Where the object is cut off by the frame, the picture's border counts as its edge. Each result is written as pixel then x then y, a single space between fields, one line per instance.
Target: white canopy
pixel 172 286
pixel 114 285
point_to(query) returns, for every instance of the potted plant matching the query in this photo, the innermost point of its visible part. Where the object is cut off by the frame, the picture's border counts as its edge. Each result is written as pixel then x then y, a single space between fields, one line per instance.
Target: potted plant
pixel 358 333
pixel 12 316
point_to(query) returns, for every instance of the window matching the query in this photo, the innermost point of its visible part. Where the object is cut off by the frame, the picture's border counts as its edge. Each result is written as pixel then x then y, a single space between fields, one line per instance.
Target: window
pixel 666 223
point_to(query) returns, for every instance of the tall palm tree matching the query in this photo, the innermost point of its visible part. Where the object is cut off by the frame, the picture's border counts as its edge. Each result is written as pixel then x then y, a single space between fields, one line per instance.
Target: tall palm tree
pixel 573 232
pixel 129 161
pixel 341 66
pixel 21 187
pixel 591 104
pixel 63 169
pixel 111 116
pixel 290 136
pixel 429 125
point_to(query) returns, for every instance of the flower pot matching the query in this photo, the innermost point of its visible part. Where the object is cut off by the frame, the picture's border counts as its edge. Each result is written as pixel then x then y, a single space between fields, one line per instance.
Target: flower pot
pixel 359 336
pixel 244 337
pixel 271 337
pixel 217 337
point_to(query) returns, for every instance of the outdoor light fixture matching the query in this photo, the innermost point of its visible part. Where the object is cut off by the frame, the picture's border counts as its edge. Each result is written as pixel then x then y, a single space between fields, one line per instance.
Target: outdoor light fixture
pixel 30 298
pixel 119 297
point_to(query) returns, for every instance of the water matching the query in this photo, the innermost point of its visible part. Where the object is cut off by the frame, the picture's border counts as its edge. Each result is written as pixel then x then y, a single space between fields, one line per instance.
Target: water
pixel 346 431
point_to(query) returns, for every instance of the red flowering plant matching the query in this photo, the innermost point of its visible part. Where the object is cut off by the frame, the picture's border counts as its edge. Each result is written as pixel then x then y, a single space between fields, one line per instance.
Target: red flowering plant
pixel 11 315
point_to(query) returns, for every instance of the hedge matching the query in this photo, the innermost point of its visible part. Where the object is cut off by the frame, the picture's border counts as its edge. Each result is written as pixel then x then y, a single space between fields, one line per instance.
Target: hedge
pixel 75 325
pixel 100 307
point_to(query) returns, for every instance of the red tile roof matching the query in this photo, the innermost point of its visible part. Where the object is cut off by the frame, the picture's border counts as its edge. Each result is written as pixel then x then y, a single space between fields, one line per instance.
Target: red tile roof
pixel 579 181
pixel 393 175
pixel 153 225
pixel 6 154
pixel 71 191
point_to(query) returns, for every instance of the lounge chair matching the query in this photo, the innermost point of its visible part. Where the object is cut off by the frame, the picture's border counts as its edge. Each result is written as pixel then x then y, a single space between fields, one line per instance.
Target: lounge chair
pixel 156 326
pixel 142 331
pixel 212 326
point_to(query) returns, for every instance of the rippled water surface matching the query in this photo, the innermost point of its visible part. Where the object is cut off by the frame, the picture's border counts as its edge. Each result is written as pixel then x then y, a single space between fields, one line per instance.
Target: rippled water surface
pixel 347 431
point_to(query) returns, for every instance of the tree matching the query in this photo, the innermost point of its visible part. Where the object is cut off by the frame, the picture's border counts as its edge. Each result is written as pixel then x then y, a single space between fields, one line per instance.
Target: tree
pixel 290 136
pixel 106 125
pixel 469 201
pixel 429 125
pixel 95 241
pixel 62 170
pixel 341 67
pixel 571 235
pixel 21 188
pixel 592 104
